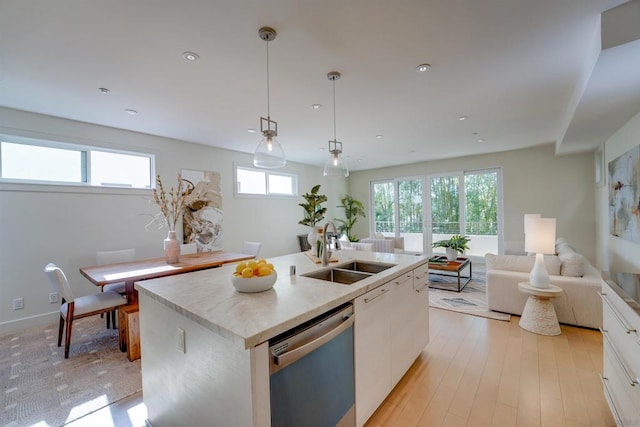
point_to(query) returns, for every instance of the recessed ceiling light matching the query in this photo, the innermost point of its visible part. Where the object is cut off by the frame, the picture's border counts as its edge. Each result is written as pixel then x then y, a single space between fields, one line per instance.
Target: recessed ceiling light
pixel 379 136
pixel 423 68
pixel 462 118
pixel 321 149
pixel 316 106
pixel 190 56
pixel 474 133
pixel 480 140
pixel 251 130
pixel 103 90
pixel 131 112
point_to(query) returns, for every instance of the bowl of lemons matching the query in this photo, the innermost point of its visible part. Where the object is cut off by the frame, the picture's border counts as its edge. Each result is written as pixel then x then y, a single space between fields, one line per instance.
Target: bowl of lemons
pixel 254 276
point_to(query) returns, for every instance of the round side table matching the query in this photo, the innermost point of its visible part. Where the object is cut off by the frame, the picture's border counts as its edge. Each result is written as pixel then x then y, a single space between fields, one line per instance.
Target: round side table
pixel 538 315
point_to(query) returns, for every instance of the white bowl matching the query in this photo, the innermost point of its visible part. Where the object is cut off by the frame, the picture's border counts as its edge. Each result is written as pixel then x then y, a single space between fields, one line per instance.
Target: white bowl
pixel 254 284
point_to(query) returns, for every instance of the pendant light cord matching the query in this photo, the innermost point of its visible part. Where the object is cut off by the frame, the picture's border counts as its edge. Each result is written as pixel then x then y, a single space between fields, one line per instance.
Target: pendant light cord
pixel 334 111
pixel 268 112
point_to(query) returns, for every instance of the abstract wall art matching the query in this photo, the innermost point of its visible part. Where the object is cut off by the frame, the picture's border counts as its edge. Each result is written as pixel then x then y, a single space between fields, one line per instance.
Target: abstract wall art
pixel 624 195
pixel 202 219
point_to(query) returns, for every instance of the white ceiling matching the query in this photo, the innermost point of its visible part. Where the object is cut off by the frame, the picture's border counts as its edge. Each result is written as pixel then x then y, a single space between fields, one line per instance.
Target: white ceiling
pixel 524 72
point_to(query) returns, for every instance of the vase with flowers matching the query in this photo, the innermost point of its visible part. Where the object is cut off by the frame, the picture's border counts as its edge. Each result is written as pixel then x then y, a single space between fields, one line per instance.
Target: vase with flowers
pixel 171 205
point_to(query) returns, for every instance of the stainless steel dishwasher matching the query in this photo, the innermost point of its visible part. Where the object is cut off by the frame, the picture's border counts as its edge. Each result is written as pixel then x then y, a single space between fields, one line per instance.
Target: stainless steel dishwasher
pixel 312 372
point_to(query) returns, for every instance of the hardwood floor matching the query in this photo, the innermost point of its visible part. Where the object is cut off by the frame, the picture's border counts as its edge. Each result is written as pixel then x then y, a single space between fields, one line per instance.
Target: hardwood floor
pixel 482 372
pixel 475 372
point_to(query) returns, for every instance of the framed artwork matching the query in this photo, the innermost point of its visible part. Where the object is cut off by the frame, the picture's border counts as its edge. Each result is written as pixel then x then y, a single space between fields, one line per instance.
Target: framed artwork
pixel 624 196
pixel 203 217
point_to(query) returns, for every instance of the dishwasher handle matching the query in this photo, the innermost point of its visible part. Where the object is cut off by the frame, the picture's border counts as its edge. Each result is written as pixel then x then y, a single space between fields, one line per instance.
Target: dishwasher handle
pixel 288 357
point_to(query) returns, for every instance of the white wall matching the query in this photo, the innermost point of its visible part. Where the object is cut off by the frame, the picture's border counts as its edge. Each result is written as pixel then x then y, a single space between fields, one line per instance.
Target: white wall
pixel 43 224
pixel 616 254
pixel 534 180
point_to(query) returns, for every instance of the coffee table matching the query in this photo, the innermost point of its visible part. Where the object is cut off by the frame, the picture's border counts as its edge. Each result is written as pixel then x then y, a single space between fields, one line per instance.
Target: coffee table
pixel 442 267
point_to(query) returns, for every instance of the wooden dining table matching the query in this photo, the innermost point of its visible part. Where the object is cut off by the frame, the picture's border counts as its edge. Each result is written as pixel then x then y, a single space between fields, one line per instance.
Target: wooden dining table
pixel 131 272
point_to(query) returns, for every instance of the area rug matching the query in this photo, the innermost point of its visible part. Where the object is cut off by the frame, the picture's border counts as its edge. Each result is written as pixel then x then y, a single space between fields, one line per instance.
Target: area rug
pixel 40 387
pixel 471 300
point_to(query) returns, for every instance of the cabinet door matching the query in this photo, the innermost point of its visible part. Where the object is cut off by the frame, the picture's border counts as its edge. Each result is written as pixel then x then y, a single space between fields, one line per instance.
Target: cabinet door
pixel 372 351
pixel 421 308
pixel 403 326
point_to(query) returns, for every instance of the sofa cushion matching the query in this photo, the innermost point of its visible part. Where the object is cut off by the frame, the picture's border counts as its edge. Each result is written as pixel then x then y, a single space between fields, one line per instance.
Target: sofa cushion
pixel 521 263
pixel 572 263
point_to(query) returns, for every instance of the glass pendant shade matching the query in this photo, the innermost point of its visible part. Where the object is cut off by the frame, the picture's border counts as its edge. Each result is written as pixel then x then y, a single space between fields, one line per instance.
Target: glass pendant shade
pixel 269 153
pixel 335 166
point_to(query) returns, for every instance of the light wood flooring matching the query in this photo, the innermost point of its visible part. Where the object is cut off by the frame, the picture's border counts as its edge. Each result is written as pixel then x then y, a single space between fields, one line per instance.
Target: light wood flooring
pixel 475 372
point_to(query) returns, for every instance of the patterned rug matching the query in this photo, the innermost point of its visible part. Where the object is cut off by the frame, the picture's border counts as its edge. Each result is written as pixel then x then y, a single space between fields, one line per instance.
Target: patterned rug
pixel 471 300
pixel 40 387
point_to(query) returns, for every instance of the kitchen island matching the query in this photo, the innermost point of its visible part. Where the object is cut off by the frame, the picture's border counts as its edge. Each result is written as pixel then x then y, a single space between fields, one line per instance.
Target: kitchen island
pixel 205 346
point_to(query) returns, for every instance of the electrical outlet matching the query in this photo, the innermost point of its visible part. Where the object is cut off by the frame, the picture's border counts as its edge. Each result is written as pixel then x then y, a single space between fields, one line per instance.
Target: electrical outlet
pixel 18 303
pixel 53 297
pixel 181 343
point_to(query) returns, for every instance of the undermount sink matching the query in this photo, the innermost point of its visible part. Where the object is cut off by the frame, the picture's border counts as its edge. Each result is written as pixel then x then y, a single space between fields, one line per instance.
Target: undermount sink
pixel 349 273
pixel 346 277
pixel 366 266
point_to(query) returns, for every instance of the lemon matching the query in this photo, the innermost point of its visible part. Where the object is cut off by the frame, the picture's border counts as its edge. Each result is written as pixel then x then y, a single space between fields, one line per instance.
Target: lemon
pixel 247 272
pixel 241 266
pixel 264 271
pixel 252 264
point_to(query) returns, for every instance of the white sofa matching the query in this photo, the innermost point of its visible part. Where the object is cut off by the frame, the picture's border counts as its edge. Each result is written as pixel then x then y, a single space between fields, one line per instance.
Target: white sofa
pixel 385 244
pixel 579 304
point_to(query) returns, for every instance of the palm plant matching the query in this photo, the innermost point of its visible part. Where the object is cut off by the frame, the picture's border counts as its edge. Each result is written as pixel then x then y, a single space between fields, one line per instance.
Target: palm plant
pixel 352 210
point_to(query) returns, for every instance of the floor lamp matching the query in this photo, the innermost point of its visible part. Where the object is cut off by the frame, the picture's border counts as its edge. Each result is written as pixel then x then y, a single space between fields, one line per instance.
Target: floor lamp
pixel 540 238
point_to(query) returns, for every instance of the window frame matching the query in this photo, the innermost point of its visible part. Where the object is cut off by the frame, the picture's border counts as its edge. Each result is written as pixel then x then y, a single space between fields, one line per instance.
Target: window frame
pixel 266 172
pixel 85 151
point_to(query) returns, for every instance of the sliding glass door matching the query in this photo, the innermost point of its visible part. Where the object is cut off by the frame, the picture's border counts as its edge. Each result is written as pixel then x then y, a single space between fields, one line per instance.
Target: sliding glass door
pixel 398 211
pixel 467 203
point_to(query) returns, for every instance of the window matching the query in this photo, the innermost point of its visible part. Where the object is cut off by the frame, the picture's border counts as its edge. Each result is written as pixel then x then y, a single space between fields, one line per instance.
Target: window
pixel 251 181
pixel 48 162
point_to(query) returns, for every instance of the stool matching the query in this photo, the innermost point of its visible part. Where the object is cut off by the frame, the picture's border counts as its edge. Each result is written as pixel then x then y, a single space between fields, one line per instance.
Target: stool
pixel 129 330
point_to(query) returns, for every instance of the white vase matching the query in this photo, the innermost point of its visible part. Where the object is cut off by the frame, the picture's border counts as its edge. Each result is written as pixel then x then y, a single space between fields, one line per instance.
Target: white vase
pixel 171 248
pixel 312 237
pixel 452 254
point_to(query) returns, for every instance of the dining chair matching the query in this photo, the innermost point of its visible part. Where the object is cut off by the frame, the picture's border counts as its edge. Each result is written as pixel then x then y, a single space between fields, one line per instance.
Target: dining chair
pixel 73 308
pixel 188 248
pixel 251 248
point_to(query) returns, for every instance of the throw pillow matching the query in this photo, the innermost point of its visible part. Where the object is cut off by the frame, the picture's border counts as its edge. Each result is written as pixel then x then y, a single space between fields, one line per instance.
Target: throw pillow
pixel 572 263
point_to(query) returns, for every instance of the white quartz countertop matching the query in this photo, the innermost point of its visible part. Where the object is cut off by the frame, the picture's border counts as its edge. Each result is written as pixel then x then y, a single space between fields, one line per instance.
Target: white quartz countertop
pixel 208 298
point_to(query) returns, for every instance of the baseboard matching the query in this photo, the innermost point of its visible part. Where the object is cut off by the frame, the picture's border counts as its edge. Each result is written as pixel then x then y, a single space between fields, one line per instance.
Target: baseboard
pixel 28 322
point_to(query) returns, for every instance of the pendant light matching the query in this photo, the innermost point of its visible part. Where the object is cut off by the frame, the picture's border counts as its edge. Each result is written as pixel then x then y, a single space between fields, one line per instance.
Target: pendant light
pixel 269 153
pixel 335 166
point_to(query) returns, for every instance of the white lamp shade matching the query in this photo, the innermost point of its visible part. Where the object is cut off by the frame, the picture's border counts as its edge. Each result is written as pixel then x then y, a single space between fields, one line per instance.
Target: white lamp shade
pixel 269 154
pixel 527 218
pixel 540 237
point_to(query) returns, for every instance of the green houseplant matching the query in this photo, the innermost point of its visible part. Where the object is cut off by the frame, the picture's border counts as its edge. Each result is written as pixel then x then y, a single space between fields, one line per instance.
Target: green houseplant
pixel 454 245
pixel 352 210
pixel 313 214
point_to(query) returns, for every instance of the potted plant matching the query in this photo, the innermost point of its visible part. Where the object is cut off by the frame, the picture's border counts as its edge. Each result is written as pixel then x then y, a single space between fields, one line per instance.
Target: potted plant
pixel 313 212
pixel 454 245
pixel 352 210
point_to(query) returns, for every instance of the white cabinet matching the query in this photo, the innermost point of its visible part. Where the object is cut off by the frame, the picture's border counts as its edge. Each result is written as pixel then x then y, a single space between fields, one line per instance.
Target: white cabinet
pixel 621 350
pixel 420 308
pixel 402 326
pixel 391 330
pixel 372 350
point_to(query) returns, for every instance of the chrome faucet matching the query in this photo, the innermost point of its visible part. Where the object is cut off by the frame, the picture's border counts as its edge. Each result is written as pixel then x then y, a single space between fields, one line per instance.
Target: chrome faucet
pixel 326 248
